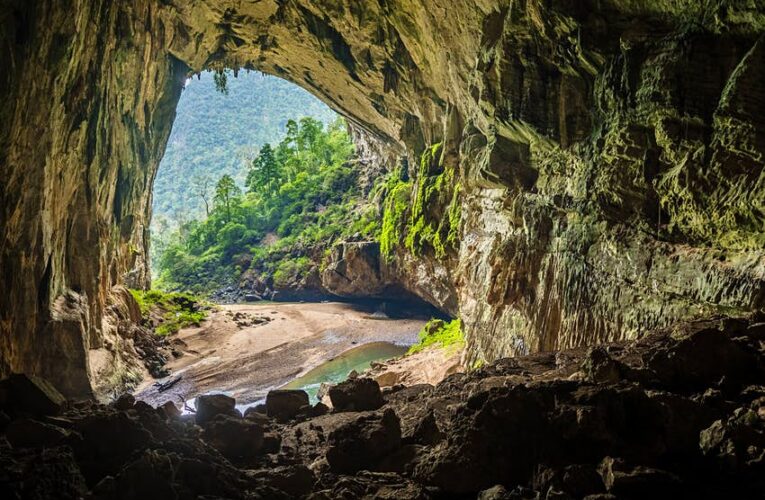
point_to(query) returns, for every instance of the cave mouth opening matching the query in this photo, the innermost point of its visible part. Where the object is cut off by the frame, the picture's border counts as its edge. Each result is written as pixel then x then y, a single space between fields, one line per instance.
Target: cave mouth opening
pixel 259 180
pixel 221 123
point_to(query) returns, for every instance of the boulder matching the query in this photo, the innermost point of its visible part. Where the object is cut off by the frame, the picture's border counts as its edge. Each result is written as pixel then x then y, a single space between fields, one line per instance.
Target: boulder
pixel 573 481
pixel 211 405
pixel 27 394
pixel 357 394
pixel 170 410
pixel 124 402
pixel 323 393
pixel 285 404
pixel 49 473
pixel 702 360
pixel 234 437
pixel 258 408
pixel 738 442
pixel 253 414
pixel 271 443
pixel 425 431
pixel 600 368
pixel 318 410
pixel 149 476
pixel 581 480
pixel 360 443
pixel 28 433
pixel 637 482
pixel 497 492
pixel 295 480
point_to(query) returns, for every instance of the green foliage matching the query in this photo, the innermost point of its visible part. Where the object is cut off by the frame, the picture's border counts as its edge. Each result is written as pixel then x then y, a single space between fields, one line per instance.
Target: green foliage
pixel 176 310
pixel 290 270
pixel 265 174
pixel 215 134
pixel 397 197
pixel 302 196
pixel 439 333
pixel 221 81
pixel 227 194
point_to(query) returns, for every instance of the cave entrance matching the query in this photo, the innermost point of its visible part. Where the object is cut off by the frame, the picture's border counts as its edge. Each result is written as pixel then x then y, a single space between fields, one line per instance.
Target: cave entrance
pixel 258 182
pixel 221 124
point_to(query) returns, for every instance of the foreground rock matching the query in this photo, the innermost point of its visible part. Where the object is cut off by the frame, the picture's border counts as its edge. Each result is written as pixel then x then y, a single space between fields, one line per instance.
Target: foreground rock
pixel 27 394
pixel 637 420
pixel 356 394
pixel 210 406
pixel 235 438
pixel 285 404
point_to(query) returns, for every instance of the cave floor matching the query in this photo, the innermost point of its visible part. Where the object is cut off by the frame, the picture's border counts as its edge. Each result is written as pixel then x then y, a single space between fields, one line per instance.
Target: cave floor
pixel 245 350
pixel 679 413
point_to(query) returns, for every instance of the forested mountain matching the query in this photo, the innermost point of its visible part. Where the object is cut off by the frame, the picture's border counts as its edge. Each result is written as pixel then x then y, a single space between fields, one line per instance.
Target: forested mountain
pixel 217 133
pixel 300 197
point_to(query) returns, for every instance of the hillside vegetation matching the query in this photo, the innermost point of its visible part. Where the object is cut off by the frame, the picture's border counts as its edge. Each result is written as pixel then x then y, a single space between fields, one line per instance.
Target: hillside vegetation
pixel 298 198
pixel 215 133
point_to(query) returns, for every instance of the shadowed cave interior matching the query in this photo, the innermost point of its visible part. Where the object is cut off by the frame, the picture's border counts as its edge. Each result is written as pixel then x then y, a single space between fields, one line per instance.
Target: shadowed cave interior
pixel 580 183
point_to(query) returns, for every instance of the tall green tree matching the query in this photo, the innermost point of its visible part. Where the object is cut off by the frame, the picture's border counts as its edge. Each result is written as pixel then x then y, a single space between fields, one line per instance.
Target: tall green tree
pixel 226 195
pixel 265 173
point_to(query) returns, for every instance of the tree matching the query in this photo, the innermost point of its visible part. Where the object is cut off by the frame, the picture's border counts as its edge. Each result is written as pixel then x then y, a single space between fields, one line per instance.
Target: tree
pixel 221 81
pixel 226 193
pixel 302 191
pixel 264 175
pixel 230 237
pixel 200 185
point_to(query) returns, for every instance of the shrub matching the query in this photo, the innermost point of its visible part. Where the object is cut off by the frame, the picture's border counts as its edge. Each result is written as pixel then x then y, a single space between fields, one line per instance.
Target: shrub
pixel 437 332
pixel 177 310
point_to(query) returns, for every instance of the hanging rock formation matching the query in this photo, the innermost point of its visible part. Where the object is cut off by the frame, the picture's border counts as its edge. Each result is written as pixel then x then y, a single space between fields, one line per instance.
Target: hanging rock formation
pixel 605 158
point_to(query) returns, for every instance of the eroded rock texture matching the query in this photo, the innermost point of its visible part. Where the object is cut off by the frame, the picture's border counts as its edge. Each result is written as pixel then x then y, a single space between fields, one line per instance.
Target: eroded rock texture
pixel 608 155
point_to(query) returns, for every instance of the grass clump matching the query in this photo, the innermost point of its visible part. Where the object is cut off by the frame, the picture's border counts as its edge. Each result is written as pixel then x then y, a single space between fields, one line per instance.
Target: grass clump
pixel 439 333
pixel 169 312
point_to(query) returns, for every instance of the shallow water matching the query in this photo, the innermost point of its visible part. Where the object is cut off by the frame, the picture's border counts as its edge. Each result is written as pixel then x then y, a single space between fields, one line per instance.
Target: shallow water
pixel 337 369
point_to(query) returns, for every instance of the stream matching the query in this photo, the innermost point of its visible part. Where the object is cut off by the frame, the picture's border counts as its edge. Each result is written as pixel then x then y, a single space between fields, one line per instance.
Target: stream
pixel 336 370
pixel 246 350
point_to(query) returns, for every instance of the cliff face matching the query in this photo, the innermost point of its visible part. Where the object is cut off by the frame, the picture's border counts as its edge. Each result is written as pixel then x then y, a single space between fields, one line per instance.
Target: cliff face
pixel 607 156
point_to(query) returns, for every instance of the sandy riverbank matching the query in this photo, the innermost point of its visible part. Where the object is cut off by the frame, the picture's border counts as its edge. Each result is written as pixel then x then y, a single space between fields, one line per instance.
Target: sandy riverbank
pixel 248 361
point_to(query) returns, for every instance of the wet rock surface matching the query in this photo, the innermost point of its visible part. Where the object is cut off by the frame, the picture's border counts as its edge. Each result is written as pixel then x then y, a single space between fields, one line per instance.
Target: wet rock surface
pixel 645 419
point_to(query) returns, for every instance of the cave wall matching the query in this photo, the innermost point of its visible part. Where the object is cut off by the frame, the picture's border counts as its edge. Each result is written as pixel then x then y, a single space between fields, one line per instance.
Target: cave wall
pixel 610 155
pixel 87 105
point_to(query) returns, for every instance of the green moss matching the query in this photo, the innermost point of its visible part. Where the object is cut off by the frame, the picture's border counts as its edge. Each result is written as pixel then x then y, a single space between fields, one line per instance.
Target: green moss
pixel 435 216
pixel 424 214
pixel 476 365
pixel 441 334
pixel 394 210
pixel 455 217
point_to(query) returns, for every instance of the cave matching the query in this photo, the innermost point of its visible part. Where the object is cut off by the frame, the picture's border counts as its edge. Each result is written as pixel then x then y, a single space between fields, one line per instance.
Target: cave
pixel 606 159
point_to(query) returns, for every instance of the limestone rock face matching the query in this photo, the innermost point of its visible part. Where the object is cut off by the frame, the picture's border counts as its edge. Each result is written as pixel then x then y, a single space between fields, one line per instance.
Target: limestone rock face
pixel 609 156
pixel 356 269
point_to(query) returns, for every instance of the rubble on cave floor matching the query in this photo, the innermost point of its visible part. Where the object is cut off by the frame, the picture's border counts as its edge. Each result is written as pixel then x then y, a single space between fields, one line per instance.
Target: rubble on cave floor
pixel 677 414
